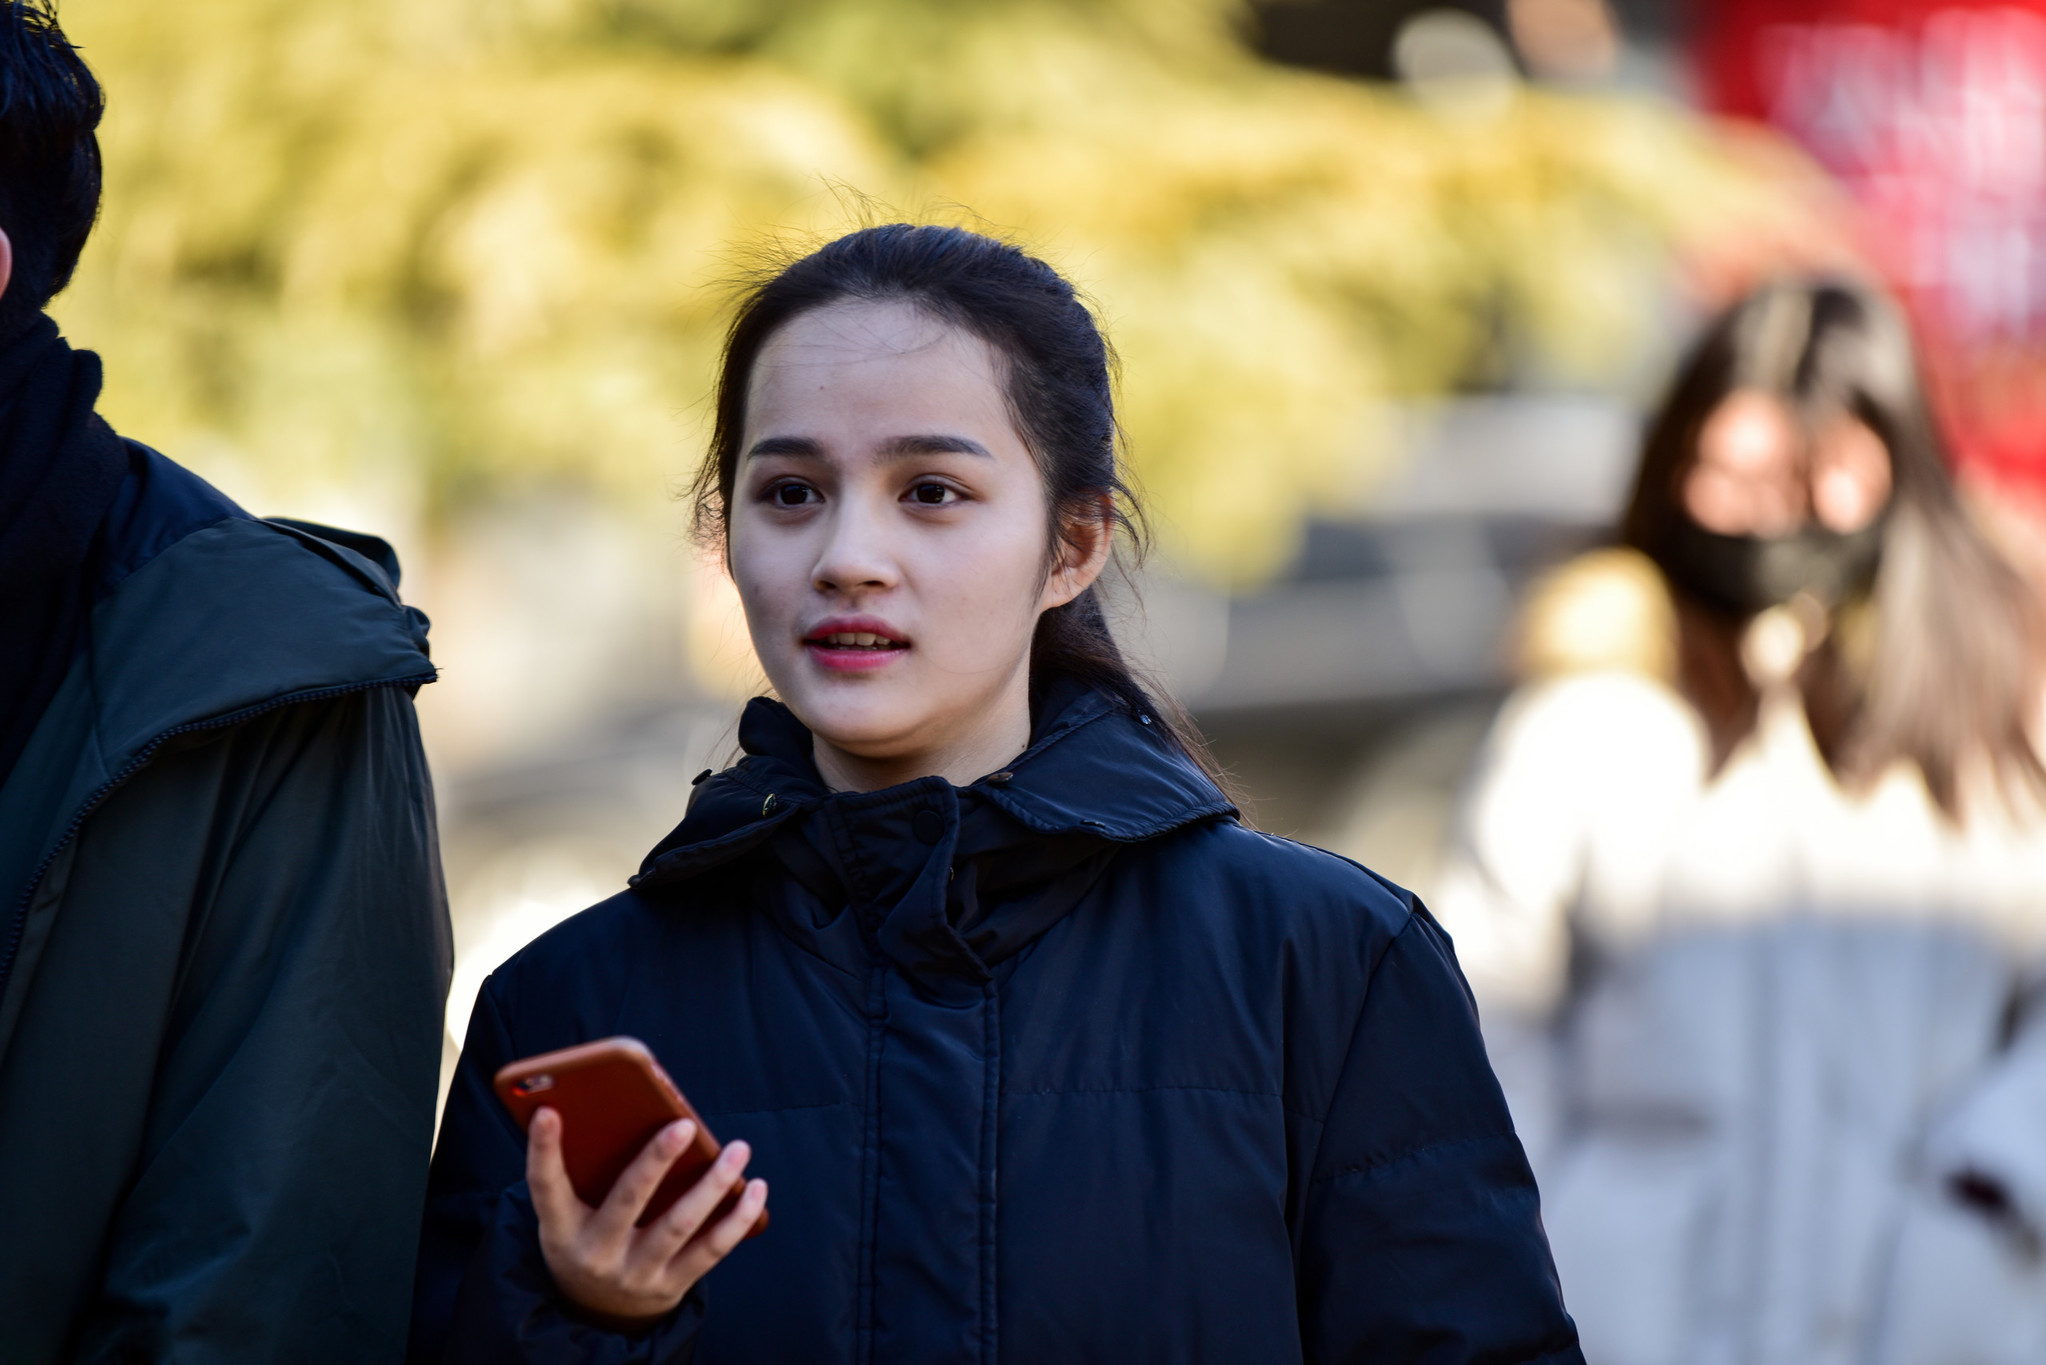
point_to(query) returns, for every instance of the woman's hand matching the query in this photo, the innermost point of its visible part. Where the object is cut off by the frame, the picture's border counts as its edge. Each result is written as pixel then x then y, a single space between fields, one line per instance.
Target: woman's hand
pixel 625 1276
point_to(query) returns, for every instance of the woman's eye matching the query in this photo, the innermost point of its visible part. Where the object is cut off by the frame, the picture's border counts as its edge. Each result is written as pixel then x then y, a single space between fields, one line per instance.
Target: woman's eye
pixel 931 494
pixel 791 494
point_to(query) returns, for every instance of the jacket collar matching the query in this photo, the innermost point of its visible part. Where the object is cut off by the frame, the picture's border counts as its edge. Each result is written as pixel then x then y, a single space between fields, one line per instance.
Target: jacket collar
pixel 1092 768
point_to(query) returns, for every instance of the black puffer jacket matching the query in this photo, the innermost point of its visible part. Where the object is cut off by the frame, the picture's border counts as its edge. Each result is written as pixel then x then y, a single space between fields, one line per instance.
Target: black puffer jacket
pixel 1065 1065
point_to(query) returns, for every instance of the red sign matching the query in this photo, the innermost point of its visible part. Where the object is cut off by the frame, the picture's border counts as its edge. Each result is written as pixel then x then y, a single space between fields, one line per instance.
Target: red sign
pixel 1932 113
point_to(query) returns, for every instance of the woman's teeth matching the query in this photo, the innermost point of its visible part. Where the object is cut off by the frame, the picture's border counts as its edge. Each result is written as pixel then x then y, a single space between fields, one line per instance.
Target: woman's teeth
pixel 855 639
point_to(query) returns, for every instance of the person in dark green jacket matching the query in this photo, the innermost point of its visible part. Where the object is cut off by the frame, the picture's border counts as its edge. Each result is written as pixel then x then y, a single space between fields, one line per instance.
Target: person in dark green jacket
pixel 224 944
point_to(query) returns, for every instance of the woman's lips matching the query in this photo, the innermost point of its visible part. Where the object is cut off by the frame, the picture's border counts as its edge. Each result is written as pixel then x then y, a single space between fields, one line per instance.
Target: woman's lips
pixel 852 645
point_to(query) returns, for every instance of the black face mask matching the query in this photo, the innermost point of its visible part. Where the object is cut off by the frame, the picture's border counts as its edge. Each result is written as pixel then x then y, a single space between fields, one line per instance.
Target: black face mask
pixel 1748 574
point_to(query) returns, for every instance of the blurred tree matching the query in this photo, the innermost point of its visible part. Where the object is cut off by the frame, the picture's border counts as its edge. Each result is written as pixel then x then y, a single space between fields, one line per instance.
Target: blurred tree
pixel 415 250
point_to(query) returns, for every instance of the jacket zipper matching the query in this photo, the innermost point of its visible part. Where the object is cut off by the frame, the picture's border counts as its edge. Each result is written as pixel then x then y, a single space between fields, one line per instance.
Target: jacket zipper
pixel 142 756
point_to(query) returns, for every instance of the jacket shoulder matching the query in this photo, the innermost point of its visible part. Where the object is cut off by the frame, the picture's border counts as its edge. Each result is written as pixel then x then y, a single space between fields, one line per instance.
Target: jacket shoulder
pixel 1295 886
pixel 614 922
pixel 160 502
pixel 208 611
pixel 591 950
pixel 1609 610
pixel 165 510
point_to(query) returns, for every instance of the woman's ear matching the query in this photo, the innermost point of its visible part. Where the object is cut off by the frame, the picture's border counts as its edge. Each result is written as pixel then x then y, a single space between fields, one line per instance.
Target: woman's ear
pixel 1084 545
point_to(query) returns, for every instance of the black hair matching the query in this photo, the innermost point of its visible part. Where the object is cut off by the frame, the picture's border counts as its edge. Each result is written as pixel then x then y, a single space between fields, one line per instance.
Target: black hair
pixel 1060 393
pixel 50 106
pixel 1951 672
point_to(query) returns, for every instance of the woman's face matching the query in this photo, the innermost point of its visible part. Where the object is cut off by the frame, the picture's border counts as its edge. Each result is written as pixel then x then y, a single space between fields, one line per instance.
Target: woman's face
pixel 1755 474
pixel 890 538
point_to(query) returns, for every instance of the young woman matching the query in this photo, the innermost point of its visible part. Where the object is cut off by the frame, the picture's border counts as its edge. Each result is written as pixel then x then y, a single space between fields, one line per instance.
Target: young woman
pixel 1043 1053
pixel 1752 865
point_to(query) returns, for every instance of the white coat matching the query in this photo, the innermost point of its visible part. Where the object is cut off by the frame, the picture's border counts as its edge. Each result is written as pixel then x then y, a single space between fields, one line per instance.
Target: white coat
pixel 1753 1027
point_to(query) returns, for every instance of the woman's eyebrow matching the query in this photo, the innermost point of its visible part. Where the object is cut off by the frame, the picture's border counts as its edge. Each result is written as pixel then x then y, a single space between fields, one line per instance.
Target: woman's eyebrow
pixel 898 447
pixel 786 445
pixel 934 445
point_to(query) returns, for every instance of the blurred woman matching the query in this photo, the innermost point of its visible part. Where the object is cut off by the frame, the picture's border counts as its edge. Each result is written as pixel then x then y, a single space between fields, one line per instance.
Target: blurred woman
pixel 1747 870
pixel 1046 1056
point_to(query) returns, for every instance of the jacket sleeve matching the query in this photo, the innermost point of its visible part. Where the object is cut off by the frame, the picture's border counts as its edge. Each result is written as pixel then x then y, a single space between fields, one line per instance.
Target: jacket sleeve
pixel 1967 1280
pixel 484 1293
pixel 1422 1238
pixel 291 1106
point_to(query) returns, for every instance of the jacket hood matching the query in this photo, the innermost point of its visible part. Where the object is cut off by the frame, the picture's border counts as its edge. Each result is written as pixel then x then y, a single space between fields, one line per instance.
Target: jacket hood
pixel 948 881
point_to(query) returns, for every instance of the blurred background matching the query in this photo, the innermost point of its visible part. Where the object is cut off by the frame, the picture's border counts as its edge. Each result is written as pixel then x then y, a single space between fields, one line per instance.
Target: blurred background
pixel 1392 284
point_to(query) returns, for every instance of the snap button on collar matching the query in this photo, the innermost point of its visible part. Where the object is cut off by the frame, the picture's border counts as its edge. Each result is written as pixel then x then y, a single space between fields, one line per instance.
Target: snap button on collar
pixel 767 806
pixel 927 825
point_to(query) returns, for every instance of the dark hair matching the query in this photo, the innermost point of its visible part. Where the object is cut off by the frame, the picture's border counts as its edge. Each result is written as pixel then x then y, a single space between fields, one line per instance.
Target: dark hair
pixel 49 157
pixel 1057 373
pixel 1939 662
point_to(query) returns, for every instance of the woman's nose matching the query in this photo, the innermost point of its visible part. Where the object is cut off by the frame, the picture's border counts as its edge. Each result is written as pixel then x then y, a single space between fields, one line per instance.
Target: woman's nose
pixel 855 553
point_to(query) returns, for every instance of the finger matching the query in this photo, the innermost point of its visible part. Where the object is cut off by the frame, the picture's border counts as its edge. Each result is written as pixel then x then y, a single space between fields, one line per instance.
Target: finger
pixel 554 1199
pixel 731 1229
pixel 686 1218
pixel 622 1207
pixel 696 1259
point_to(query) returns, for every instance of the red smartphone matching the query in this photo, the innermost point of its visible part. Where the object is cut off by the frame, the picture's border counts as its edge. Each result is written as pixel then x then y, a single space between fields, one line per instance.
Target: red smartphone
pixel 612 1097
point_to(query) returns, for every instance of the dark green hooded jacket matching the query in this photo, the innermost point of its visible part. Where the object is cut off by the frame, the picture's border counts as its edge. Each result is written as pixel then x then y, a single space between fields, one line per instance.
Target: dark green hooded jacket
pixel 223 952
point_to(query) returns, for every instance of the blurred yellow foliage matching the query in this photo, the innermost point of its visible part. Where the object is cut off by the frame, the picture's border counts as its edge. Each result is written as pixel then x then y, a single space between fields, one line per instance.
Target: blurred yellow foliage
pixel 420 249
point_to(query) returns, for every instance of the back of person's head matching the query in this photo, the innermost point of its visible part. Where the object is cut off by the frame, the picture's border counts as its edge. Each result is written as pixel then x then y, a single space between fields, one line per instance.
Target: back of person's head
pixel 1059 382
pixel 50 106
pixel 1929 643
